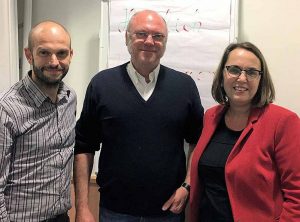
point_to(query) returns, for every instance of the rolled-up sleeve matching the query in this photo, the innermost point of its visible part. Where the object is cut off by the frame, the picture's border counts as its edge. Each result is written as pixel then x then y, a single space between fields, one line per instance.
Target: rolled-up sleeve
pixel 88 128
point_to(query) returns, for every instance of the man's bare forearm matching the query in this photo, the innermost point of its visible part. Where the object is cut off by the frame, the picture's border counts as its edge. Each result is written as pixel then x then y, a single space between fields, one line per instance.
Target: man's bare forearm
pixel 83 164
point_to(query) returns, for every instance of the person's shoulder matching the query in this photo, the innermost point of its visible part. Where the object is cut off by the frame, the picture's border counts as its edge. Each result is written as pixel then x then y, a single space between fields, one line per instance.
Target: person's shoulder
pixel 177 78
pixel 215 110
pixel 8 95
pixel 174 73
pixel 279 110
pixel 275 114
pixel 110 73
pixel 12 98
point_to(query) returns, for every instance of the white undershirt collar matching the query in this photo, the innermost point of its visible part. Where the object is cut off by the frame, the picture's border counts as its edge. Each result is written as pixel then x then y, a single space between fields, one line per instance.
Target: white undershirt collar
pixel 145 89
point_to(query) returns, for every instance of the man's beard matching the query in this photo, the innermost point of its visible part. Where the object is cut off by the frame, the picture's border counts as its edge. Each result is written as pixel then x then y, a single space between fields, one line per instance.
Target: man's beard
pixel 39 73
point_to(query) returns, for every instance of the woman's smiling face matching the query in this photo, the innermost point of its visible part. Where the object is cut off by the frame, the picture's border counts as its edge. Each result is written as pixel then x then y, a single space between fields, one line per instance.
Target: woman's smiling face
pixel 239 90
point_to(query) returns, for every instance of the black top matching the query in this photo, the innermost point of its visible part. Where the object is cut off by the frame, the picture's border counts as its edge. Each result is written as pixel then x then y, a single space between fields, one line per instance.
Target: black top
pixel 142 160
pixel 215 204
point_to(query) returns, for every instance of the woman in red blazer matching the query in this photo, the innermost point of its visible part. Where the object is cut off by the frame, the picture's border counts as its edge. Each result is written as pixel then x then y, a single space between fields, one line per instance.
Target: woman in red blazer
pixel 246 165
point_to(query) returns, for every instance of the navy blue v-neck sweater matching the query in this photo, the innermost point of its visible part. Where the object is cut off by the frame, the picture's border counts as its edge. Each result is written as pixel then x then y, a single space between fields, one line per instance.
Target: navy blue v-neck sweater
pixel 142 160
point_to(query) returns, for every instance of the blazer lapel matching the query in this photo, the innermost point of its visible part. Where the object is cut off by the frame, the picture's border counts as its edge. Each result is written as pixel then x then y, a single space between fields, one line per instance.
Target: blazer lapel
pixel 211 122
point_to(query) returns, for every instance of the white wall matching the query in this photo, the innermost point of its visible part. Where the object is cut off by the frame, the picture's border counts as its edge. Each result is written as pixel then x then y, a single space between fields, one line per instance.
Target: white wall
pixel 274 26
pixel 9 56
pixel 82 19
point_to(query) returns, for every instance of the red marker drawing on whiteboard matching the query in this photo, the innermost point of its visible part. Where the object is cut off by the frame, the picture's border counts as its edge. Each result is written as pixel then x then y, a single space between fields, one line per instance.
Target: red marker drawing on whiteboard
pixel 185 28
pixel 177 30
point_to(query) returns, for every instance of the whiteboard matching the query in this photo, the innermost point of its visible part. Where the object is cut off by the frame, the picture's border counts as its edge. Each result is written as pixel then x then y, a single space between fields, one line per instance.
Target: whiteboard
pixel 198 33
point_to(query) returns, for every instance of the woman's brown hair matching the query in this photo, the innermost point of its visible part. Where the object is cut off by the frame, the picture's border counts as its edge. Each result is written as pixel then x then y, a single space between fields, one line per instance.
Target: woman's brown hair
pixel 265 93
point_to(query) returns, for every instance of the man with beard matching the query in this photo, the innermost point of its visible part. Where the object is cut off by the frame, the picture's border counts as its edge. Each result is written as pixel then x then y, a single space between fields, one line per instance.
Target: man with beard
pixel 37 121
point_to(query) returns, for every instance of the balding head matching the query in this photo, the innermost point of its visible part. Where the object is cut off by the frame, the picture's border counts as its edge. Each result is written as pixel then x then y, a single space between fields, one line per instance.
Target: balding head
pixel 150 14
pixel 44 28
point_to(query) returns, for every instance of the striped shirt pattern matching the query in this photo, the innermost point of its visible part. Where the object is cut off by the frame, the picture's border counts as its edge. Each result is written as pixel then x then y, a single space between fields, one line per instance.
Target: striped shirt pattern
pixel 36 152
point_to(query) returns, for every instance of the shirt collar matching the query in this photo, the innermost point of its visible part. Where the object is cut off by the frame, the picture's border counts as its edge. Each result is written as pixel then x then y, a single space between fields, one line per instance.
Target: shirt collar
pixel 38 96
pixel 136 77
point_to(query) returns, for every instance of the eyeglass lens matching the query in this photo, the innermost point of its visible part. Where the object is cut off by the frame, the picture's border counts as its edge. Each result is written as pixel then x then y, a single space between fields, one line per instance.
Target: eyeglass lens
pixel 236 71
pixel 155 37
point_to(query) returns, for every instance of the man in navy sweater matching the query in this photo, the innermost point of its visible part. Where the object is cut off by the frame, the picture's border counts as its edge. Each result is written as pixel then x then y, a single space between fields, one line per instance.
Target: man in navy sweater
pixel 141 112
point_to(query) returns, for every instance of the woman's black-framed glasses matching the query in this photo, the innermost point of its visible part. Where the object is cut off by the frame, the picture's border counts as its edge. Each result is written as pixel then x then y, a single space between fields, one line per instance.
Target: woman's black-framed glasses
pixel 236 71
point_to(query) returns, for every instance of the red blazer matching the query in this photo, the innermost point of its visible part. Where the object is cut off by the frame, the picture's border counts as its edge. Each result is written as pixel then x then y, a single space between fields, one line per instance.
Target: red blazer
pixel 262 171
